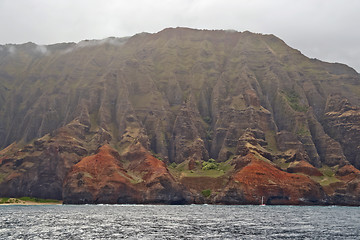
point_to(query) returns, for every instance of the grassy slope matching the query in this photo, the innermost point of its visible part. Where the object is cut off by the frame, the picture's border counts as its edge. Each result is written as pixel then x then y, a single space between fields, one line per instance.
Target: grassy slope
pixel 28 200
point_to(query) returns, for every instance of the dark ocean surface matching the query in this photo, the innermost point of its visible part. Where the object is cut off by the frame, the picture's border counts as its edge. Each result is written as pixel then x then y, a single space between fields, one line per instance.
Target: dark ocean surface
pixel 178 222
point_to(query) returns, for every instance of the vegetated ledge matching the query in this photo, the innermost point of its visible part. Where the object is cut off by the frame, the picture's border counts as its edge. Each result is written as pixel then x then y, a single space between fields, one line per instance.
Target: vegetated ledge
pixel 242 180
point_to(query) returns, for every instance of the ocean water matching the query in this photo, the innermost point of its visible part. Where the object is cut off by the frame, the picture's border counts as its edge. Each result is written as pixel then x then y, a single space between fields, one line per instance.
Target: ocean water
pixel 178 222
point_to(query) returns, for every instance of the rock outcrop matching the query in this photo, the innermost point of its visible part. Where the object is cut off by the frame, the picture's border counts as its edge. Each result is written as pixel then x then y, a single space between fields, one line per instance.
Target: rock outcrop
pixel 104 178
pixel 100 178
pixel 254 179
pixel 179 116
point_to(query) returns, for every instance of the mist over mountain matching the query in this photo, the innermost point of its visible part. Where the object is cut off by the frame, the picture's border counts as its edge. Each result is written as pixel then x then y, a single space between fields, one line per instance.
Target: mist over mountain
pixel 179 116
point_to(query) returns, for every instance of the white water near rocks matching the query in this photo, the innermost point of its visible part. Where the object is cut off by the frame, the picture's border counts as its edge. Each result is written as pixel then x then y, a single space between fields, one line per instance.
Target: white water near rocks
pixel 178 222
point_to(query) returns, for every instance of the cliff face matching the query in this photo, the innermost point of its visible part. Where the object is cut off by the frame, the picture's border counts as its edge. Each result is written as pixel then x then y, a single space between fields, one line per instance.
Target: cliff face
pixel 140 120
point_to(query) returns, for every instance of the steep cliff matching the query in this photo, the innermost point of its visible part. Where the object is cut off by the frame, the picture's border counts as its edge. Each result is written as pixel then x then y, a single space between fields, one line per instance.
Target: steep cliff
pixel 178 116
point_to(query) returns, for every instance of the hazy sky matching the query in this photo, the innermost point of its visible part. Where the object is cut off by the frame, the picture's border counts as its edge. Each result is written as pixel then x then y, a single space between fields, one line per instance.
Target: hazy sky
pixel 324 29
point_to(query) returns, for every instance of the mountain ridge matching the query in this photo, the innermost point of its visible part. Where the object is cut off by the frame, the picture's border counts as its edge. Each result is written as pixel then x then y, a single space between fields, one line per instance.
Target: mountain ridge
pixel 184 96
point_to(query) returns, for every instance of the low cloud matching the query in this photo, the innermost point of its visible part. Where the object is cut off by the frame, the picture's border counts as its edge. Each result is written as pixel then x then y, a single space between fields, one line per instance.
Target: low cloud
pixel 91 43
pixel 111 40
pixel 42 49
pixel 11 49
pixel 327 30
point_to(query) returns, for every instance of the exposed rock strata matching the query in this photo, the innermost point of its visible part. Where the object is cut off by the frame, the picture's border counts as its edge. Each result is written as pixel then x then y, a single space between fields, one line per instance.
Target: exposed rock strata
pixel 255 179
pixel 134 120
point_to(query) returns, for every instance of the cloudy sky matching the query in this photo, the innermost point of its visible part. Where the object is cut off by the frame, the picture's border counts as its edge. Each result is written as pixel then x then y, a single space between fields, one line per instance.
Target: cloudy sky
pixel 323 29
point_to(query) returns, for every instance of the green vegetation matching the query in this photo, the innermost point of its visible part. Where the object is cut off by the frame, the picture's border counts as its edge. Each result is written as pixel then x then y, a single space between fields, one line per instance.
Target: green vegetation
pixel 225 166
pixel 157 156
pixel 206 192
pixel 238 102
pixel 207 119
pixel 211 164
pixel 93 121
pixel 271 140
pixel 328 171
pixel 206 169
pixel 134 179
pixel 281 162
pixel 209 134
pixel 293 99
pixel 38 200
pixel 353 88
pixel 201 173
pixel 26 199
pixel 303 131
pixel 181 166
pixel 4 200
pixel 325 180
pixel 329 176
pixel 173 165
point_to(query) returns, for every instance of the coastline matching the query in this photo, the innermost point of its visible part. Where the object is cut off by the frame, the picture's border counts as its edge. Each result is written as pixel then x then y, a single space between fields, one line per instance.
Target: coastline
pixel 19 202
pixel 29 204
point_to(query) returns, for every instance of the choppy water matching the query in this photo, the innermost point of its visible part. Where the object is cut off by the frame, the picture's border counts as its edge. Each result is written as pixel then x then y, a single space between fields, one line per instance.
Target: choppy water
pixel 178 222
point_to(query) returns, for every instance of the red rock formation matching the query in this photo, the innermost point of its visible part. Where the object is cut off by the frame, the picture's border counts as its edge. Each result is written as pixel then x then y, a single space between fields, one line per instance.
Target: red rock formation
pixel 101 178
pixel 158 185
pixel 348 171
pixel 305 168
pixel 256 179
